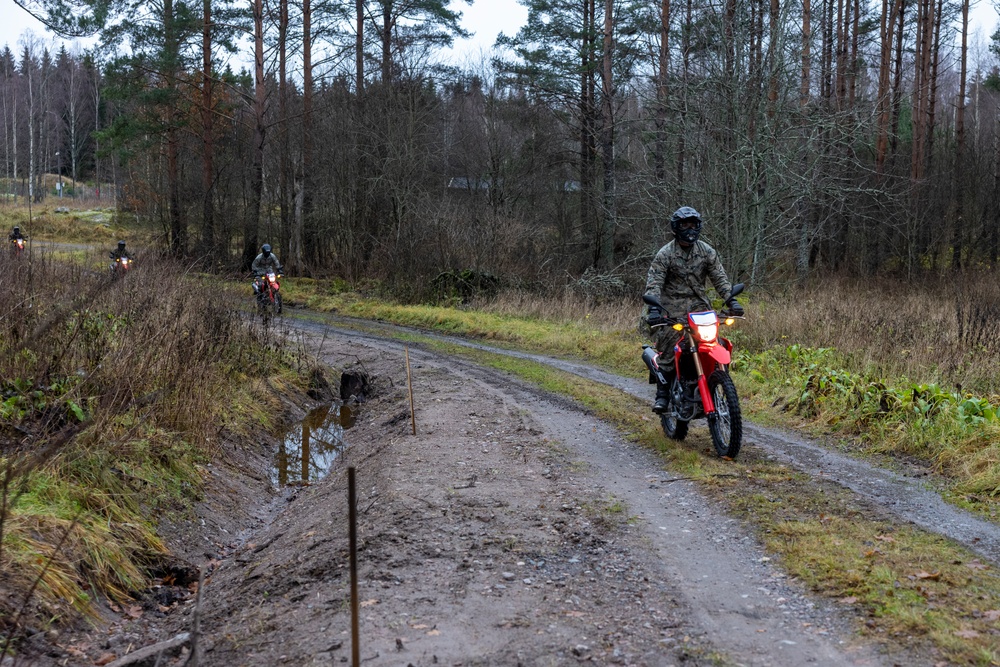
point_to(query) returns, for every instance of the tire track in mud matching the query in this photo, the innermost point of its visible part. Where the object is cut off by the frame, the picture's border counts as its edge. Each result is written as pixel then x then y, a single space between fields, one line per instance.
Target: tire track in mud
pixel 907 498
pixel 733 598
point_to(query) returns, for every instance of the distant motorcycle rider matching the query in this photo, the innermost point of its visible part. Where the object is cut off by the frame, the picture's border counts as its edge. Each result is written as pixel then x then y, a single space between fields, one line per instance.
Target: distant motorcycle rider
pixel 262 263
pixel 119 257
pixel 16 241
pixel 119 252
pixel 677 279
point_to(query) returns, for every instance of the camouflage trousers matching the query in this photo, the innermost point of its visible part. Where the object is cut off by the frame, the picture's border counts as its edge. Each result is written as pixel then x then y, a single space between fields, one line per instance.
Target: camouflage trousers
pixel 664 339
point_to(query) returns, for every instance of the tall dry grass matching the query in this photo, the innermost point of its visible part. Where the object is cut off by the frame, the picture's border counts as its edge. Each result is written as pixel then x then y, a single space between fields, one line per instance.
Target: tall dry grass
pixel 111 393
pixel 942 329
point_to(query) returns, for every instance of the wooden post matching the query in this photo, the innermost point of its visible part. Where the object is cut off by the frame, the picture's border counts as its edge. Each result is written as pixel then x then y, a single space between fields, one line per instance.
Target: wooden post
pixel 352 520
pixel 409 385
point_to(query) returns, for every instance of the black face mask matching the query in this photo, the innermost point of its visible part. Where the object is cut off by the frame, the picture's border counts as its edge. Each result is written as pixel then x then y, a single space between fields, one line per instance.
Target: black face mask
pixel 688 236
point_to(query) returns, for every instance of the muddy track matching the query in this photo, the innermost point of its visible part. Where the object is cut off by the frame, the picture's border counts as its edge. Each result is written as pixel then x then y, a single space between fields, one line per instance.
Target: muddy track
pixel 907 497
pixel 514 528
pixel 733 603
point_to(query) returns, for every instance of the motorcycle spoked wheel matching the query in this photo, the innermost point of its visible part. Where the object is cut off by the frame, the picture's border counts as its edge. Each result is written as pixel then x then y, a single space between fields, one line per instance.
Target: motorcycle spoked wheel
pixel 727 425
pixel 267 307
pixel 673 428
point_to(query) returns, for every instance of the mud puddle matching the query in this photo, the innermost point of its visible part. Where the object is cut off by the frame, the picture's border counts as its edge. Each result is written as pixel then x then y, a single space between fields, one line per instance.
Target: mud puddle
pixel 311 448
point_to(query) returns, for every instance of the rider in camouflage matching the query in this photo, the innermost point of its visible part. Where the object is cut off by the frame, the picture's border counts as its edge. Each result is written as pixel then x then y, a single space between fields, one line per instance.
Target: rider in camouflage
pixel 677 279
pixel 262 263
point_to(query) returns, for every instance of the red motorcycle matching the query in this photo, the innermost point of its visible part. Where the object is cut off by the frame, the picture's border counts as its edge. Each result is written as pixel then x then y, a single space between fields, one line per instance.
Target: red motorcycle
pixel 702 387
pixel 266 288
pixel 16 247
pixel 121 265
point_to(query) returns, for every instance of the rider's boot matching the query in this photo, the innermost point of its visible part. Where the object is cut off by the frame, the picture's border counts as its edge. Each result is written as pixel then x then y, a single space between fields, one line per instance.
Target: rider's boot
pixel 663 395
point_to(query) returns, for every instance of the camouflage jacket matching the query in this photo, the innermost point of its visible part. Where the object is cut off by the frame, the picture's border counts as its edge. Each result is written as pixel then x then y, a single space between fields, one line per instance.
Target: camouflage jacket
pixel 261 264
pixel 678 275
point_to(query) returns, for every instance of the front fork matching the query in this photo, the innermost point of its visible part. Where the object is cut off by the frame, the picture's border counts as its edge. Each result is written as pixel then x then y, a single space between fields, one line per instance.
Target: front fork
pixel 706 396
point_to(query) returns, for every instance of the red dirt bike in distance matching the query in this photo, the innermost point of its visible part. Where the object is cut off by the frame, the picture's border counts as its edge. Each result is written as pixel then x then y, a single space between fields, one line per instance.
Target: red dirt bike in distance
pixel 266 288
pixel 702 387
pixel 16 247
pixel 121 265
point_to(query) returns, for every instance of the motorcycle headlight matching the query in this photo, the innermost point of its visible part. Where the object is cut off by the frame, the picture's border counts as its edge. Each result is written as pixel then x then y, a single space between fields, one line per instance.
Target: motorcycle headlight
pixel 708 332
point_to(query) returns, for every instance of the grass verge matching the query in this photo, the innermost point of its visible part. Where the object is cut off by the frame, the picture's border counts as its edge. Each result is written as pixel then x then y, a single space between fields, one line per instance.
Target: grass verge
pixel 113 396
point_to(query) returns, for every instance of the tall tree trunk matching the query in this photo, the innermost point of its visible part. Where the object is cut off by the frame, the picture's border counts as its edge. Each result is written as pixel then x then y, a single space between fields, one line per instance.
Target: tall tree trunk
pixel 806 54
pixel 932 94
pixel 884 100
pixel 852 64
pixel 97 130
pixel 843 37
pixel 586 117
pixel 606 250
pixel 897 82
pixel 959 189
pixel 171 48
pixel 359 48
pixel 826 58
pixel 663 61
pixel 685 72
pixel 208 149
pixel 306 177
pixel 387 25
pixel 252 223
pixel 284 156
pixel 32 122
pixel 921 88
pixel 772 58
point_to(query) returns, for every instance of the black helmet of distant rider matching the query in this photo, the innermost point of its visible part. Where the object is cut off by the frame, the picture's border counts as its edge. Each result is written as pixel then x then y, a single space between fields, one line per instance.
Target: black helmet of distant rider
pixel 120 251
pixel 686 225
pixel 15 234
pixel 265 261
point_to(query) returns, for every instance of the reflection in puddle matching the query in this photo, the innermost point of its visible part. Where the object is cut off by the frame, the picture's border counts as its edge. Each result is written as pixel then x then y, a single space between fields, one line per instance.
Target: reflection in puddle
pixel 308 452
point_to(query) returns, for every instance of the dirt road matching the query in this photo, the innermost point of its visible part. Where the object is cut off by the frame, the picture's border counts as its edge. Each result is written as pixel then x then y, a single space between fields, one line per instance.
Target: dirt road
pixel 512 529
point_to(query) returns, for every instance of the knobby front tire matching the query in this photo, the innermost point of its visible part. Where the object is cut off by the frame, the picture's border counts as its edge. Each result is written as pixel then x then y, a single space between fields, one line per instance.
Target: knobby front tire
pixel 727 426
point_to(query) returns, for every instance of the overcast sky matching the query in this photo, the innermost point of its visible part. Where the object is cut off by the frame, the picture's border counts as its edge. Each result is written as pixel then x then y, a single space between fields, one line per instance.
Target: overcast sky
pixel 485 18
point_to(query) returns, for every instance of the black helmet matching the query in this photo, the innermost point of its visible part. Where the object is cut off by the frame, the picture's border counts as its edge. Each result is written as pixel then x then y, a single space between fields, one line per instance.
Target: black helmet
pixel 686 236
pixel 121 245
pixel 266 249
pixel 16 228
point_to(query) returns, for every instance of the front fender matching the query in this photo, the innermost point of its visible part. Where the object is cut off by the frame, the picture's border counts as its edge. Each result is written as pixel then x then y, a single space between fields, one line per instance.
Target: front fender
pixel 720 354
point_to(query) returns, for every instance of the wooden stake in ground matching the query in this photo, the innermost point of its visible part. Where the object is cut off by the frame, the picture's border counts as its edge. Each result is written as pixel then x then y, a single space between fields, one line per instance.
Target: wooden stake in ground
pixel 352 520
pixel 409 384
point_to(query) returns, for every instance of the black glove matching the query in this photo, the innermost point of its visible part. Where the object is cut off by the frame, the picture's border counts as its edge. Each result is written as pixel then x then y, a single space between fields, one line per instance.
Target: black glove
pixel 735 308
pixel 655 317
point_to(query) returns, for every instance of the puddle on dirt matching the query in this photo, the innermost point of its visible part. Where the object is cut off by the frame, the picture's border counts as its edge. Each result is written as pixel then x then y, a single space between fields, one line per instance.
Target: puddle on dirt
pixel 310 449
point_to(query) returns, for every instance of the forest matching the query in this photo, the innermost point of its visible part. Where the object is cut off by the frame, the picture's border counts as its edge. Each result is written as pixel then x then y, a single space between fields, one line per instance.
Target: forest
pixel 817 138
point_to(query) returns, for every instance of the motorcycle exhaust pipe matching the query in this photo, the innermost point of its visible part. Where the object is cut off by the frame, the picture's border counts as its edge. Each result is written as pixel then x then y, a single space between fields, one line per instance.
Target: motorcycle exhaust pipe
pixel 649 357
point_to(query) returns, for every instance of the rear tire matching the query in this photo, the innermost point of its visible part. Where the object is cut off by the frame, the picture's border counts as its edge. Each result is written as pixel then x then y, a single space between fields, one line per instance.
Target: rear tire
pixel 673 428
pixel 726 426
